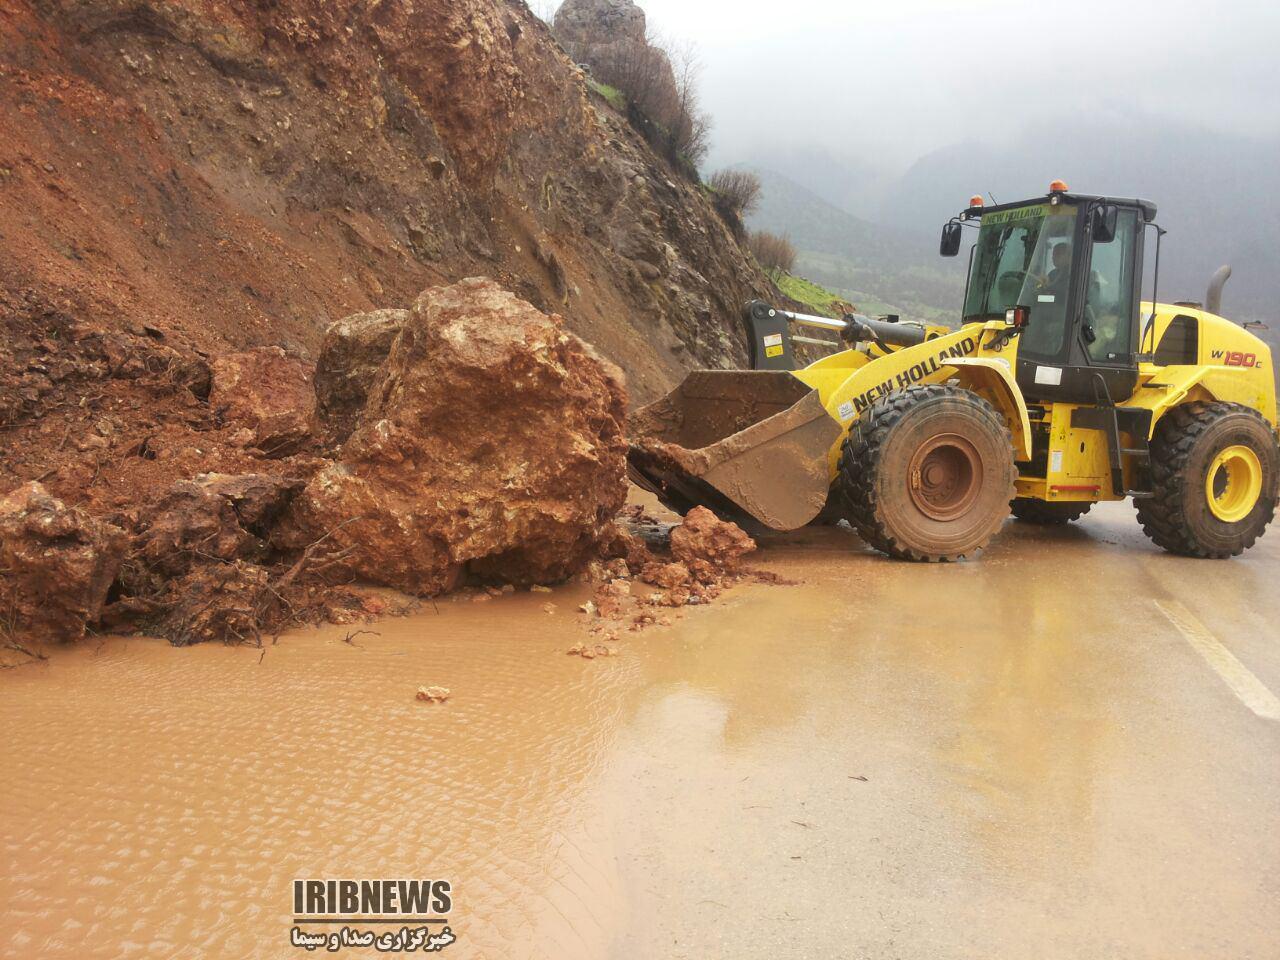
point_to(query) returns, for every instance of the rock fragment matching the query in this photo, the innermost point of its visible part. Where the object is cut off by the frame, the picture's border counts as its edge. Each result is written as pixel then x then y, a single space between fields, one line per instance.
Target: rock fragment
pixel 709 546
pixel 56 565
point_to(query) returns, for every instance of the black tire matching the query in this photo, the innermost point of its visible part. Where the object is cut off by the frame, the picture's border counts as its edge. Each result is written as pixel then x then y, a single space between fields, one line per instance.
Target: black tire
pixel 1187 443
pixel 893 450
pixel 1030 510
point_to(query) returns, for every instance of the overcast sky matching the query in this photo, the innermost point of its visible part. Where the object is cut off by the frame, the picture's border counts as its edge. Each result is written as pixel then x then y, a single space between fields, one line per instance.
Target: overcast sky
pixel 897 78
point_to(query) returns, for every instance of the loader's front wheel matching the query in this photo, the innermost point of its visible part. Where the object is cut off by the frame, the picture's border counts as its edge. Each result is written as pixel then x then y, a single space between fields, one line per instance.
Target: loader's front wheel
pixel 928 474
pixel 1046 514
pixel 1215 469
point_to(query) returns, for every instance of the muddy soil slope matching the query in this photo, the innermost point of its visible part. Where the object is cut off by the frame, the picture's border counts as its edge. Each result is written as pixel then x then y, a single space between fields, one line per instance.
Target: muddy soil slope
pixel 235 174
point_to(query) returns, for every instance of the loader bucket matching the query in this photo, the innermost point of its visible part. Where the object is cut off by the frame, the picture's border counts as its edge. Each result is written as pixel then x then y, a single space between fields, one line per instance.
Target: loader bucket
pixel 740 442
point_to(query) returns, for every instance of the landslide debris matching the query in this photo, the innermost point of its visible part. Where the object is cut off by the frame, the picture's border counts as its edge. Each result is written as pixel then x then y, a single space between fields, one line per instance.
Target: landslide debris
pixel 489 449
pixel 201 568
pixel 491 444
pixel 705 557
pixel 189 191
pixel 56 565
pixel 213 517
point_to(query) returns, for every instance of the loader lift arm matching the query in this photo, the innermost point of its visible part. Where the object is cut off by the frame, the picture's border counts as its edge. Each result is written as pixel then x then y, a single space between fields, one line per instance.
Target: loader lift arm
pixel 770 337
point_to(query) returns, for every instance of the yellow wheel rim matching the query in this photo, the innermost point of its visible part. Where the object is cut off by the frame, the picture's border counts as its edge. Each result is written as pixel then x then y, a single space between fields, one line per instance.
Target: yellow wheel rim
pixel 1234 483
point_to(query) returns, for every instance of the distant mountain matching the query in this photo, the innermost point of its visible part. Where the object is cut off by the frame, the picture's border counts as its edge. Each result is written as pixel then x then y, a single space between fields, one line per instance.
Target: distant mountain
pixel 881 267
pixel 850 183
pixel 1218 195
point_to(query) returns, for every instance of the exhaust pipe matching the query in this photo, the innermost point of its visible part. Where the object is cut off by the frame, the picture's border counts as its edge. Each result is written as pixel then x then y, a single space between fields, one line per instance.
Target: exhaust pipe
pixel 1213 299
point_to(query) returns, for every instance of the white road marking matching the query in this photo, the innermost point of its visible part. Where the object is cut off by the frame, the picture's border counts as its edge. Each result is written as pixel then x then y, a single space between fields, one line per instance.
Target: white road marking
pixel 1235 674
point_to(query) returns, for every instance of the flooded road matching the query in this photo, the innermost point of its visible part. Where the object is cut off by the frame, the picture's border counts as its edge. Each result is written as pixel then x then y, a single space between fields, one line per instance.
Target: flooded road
pixel 1064 749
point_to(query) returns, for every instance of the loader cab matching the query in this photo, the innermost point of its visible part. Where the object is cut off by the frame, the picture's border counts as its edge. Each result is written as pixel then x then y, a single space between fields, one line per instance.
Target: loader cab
pixel 1074 263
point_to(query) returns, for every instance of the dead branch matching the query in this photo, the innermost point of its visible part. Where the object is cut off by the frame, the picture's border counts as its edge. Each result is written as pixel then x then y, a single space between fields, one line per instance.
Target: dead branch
pixel 24 650
pixel 350 638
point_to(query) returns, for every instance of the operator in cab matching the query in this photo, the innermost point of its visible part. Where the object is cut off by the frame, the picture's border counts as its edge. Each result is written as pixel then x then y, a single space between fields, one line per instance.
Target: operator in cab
pixel 1059 280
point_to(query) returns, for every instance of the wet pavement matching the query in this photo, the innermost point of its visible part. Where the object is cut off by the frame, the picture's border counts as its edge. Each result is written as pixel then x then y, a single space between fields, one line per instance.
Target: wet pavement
pixel 1069 748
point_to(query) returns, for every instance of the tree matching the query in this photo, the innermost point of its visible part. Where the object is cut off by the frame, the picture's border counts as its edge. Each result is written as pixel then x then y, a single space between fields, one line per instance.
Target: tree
pixel 689 127
pixel 659 79
pixel 544 10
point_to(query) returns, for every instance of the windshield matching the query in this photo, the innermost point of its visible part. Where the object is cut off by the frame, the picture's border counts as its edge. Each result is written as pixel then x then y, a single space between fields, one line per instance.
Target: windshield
pixel 1023 258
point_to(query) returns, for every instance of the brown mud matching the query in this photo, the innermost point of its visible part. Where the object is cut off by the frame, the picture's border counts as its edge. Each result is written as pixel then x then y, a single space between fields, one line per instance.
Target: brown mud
pixel 884 761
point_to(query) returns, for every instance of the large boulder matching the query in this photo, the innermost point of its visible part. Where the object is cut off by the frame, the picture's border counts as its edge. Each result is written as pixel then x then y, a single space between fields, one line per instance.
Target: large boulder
pixel 492 441
pixel 351 356
pixel 56 565
pixel 266 393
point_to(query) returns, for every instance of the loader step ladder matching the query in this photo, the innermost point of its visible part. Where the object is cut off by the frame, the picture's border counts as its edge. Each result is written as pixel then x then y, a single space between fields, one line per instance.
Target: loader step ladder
pixel 1112 421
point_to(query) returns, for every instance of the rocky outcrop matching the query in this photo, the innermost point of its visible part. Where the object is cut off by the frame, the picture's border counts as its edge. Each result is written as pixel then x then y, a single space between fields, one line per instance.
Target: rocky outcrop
pixel 351 356
pixel 268 395
pixel 56 565
pixel 592 22
pixel 492 443
pixel 610 38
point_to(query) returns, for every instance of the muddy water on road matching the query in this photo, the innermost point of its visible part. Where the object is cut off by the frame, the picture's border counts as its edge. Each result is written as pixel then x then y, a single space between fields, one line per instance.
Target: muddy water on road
pixel 1016 757
pixel 159 802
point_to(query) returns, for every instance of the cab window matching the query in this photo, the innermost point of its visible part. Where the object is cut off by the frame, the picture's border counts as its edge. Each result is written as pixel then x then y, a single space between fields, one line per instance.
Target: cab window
pixel 1108 306
pixel 1024 257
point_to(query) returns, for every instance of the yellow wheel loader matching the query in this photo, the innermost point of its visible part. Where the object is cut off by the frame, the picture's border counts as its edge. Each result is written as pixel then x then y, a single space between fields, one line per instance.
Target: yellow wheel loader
pixel 1061 388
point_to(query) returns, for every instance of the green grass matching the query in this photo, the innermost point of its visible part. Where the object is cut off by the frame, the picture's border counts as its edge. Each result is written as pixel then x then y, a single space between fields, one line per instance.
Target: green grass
pixel 913 292
pixel 821 300
pixel 815 298
pixel 617 99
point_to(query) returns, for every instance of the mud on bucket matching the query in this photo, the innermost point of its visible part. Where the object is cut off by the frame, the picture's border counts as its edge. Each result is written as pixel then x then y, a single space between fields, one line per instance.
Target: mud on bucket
pixel 740 442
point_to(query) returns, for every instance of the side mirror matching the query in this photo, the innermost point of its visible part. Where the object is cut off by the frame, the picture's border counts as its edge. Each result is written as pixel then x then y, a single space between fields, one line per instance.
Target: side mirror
pixel 1104 223
pixel 951 236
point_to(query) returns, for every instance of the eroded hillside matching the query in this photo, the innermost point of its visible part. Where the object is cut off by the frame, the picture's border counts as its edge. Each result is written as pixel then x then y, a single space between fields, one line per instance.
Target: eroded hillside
pixel 239 174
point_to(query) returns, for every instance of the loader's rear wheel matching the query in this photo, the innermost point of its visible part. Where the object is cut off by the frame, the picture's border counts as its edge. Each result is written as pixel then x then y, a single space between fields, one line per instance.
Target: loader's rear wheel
pixel 1215 469
pixel 1030 510
pixel 927 474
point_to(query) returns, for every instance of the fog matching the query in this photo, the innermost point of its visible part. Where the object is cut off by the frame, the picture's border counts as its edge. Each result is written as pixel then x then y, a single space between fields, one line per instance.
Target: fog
pixel 897 112
pixel 892 81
